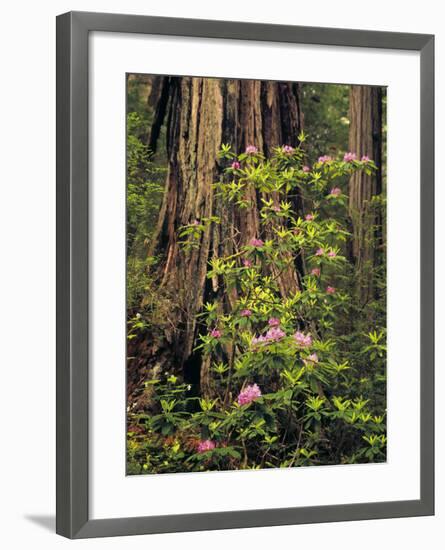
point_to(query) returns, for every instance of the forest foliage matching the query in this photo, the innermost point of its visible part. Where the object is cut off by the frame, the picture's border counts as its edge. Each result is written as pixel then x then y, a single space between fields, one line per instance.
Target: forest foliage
pixel 293 372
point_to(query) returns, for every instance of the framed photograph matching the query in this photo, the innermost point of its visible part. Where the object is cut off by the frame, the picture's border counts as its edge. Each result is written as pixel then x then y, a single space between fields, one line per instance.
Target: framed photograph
pixel 244 275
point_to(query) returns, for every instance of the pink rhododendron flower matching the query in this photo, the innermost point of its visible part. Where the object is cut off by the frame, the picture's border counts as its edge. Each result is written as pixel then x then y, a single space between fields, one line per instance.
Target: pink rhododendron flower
pixel 256 242
pixel 309 217
pixel 365 158
pixel 215 333
pixel 306 169
pixel 349 157
pixel 258 340
pixel 311 360
pixel 335 191
pixel 287 149
pixel 315 272
pixel 245 313
pixel 303 340
pixel 330 290
pixel 274 334
pixel 324 158
pixel 247 263
pixel 206 445
pixel 251 150
pixel 236 165
pixel 249 394
pixel 319 252
pixel 195 222
pixel 276 208
pixel 274 322
pixel 332 254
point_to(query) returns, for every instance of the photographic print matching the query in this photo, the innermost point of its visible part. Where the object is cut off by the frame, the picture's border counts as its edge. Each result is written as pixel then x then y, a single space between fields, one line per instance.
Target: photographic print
pixel 256 274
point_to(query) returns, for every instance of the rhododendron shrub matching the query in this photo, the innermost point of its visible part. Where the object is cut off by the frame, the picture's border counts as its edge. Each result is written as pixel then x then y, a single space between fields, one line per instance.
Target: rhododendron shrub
pixel 290 375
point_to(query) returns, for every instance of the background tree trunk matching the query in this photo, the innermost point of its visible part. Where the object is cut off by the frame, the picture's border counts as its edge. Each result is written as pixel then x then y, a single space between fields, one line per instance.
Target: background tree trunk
pixel 202 114
pixel 365 138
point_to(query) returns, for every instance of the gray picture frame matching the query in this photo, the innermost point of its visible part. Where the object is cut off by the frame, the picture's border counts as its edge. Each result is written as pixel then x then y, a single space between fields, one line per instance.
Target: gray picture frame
pixel 72 274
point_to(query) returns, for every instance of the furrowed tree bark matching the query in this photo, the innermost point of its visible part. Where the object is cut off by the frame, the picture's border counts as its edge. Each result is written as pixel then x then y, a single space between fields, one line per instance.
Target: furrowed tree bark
pixel 365 138
pixel 202 114
pixel 158 100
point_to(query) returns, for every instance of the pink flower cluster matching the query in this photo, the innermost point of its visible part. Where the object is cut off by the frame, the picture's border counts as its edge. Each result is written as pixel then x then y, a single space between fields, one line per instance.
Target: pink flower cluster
pixel 324 159
pixel 335 192
pixel 303 340
pixel 274 322
pixel 236 165
pixel 311 360
pixel 316 272
pixel 247 263
pixel 251 150
pixel 349 157
pixel 332 254
pixel 215 333
pixel 205 445
pixel 330 290
pixel 249 394
pixel 306 169
pixel 309 217
pixel 287 149
pixel 365 158
pixel 245 313
pixel 319 252
pixel 259 340
pixel 274 334
pixel 256 242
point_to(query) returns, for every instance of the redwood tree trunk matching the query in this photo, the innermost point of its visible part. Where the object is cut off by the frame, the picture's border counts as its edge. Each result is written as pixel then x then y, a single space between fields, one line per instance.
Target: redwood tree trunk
pixel 365 138
pixel 202 114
